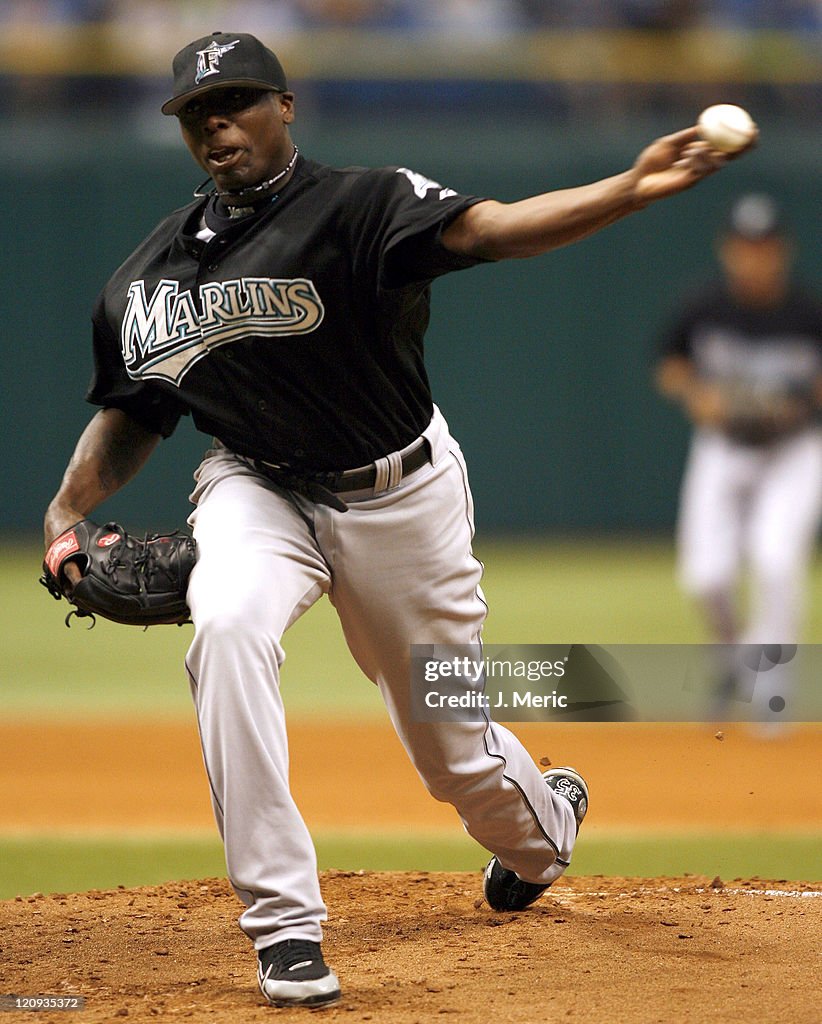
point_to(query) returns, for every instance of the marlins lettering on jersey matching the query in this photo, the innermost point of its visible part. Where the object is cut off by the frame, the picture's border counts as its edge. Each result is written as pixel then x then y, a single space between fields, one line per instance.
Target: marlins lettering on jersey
pixel 164 335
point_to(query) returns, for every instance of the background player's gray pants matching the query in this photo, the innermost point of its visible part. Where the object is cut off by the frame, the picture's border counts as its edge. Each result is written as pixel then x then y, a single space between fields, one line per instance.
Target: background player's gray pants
pixel 398 568
pixel 754 508
pixel 744 506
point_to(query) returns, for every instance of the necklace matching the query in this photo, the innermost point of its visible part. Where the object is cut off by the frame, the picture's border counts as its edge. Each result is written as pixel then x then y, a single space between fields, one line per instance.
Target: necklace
pixel 251 189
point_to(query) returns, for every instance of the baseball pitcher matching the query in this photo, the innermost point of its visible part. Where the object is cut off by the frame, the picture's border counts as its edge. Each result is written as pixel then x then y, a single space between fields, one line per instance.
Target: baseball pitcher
pixel 284 309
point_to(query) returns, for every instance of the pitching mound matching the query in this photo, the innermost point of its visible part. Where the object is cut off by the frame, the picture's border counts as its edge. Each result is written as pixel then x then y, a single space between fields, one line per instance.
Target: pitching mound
pixel 412 947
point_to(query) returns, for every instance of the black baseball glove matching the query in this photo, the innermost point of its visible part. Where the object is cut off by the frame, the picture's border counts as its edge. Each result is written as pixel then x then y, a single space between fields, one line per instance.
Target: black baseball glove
pixel 139 581
pixel 759 417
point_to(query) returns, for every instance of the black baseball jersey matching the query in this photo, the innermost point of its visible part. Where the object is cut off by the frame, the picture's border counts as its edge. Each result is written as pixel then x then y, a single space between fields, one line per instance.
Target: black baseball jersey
pixel 294 335
pixel 757 355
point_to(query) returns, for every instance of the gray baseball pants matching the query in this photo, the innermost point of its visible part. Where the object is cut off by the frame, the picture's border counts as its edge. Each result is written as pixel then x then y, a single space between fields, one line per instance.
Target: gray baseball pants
pixel 399 569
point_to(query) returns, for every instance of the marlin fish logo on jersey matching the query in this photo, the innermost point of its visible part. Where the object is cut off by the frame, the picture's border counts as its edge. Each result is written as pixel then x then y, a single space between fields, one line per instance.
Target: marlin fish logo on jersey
pixel 208 60
pixel 163 335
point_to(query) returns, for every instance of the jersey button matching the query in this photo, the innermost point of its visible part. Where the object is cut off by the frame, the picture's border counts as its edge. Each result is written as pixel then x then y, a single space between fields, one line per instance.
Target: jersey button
pixel 261 405
pixel 212 266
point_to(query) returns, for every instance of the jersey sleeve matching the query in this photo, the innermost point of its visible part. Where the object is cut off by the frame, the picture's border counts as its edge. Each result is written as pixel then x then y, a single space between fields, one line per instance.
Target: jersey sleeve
pixel 814 305
pixel 677 336
pixel 676 339
pixel 111 387
pixel 414 213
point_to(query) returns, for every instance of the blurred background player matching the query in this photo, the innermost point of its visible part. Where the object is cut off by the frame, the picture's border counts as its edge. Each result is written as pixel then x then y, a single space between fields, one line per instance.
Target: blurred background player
pixel 744 359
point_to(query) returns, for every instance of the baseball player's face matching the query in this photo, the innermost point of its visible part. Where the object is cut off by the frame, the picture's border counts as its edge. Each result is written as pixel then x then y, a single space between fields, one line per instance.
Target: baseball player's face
pixel 238 136
pixel 756 270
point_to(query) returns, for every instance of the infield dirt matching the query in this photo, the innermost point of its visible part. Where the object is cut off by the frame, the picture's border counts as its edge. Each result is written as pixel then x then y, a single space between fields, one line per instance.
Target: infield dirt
pixel 147 774
pixel 420 947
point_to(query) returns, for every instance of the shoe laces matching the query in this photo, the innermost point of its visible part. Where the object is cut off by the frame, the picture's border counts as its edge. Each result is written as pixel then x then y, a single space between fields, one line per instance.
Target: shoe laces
pixel 284 956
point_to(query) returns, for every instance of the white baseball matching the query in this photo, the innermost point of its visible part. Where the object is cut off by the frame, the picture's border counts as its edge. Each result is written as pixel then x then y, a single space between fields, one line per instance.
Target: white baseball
pixel 726 127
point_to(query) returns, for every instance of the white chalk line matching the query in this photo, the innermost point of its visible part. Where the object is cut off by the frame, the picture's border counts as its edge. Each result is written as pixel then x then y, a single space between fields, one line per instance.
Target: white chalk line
pixel 560 895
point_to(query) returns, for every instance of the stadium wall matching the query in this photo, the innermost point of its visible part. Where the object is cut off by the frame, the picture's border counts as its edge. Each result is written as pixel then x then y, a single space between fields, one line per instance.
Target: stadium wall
pixel 543 367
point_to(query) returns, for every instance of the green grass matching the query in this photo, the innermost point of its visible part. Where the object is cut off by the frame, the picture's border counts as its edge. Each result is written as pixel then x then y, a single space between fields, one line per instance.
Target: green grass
pixel 728 855
pixel 585 592
pixel 540 591
pixel 45 864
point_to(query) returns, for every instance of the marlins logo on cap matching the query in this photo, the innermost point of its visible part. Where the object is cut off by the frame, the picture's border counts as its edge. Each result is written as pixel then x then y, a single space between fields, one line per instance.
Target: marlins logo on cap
pixel 222 59
pixel 208 60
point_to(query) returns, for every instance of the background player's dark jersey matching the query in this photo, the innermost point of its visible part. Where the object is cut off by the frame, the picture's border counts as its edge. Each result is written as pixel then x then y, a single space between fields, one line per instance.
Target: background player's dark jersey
pixel 295 335
pixel 758 356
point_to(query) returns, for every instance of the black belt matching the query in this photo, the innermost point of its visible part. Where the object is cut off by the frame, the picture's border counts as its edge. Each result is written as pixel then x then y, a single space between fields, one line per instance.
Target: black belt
pixel 323 487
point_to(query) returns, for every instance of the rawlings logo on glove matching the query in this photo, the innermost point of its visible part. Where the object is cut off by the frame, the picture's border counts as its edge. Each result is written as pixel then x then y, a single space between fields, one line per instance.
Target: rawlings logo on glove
pixel 138 581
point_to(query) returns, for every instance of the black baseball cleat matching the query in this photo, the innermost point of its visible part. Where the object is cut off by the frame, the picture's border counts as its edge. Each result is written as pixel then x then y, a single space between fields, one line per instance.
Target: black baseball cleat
pixel 504 889
pixel 293 973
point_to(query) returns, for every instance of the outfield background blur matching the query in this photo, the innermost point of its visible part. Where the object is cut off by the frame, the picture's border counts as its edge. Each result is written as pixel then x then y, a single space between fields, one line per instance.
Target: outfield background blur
pixel 541 367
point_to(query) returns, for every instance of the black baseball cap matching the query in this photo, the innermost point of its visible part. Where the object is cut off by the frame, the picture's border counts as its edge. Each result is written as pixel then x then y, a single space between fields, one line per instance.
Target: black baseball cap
pixel 755 217
pixel 222 59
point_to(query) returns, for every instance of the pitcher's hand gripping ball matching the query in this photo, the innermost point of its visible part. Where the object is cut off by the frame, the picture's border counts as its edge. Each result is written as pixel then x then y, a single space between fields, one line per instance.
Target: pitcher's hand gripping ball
pixel 138 581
